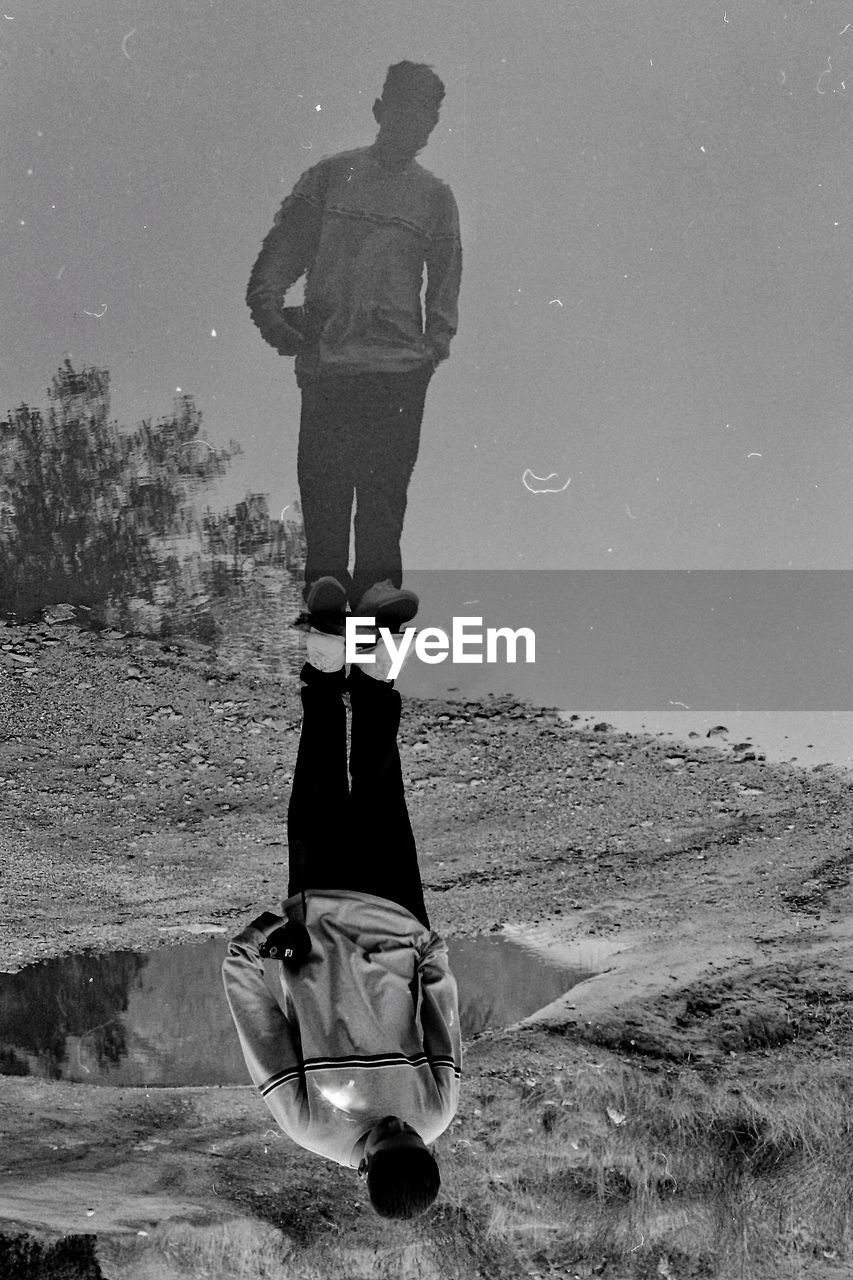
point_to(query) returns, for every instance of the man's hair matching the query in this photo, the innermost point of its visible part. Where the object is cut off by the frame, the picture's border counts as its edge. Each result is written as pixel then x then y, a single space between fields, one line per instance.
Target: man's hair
pixel 412 79
pixel 402 1182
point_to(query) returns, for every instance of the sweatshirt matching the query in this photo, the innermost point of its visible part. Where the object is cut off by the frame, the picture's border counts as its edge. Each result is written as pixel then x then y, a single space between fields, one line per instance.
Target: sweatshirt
pixel 367 1027
pixel 364 230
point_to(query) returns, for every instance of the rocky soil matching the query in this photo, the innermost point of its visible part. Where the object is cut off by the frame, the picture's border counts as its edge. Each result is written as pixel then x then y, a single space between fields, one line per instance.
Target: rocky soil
pixel 144 789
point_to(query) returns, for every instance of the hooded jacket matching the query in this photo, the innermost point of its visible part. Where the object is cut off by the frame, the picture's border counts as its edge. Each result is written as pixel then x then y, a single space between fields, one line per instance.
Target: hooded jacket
pixel 367 1027
pixel 364 230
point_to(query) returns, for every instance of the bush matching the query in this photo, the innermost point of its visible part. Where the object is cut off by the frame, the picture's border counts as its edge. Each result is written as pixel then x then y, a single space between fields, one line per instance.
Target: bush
pixel 84 508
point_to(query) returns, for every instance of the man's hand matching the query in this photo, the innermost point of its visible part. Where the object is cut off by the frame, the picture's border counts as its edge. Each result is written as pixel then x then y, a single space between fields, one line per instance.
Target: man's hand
pixel 266 922
pixel 286 340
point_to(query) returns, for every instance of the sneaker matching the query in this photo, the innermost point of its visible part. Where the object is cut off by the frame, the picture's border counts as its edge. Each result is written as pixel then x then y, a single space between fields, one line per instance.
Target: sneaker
pixel 391 606
pixel 326 604
pixel 325 652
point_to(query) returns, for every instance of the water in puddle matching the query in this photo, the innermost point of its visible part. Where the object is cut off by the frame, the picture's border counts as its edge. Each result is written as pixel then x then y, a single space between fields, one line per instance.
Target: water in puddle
pixel 161 1018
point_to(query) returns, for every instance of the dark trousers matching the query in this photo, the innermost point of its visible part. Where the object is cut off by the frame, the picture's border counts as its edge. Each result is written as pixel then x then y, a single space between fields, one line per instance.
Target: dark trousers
pixel 359 838
pixel 358 437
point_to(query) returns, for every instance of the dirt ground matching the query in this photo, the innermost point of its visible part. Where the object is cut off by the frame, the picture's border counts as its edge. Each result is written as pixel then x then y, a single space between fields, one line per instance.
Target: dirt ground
pixel 144 791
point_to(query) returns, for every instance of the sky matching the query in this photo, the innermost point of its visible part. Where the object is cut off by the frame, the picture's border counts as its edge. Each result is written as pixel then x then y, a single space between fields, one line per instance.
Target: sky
pixel 656 208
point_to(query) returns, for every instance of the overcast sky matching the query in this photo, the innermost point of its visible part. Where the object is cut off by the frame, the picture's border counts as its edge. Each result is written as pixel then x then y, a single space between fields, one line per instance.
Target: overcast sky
pixel 656 209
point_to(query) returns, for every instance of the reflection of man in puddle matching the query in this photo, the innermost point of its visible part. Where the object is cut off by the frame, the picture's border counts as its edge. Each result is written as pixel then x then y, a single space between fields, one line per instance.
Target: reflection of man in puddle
pixel 363 1065
pixel 364 225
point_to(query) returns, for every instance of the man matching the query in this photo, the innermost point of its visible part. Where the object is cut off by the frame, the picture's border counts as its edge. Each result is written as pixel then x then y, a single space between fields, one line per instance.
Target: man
pixel 363 224
pixel 363 1062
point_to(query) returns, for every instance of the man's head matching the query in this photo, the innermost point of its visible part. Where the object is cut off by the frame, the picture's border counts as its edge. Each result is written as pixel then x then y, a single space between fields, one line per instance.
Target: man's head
pixel 408 110
pixel 402 1175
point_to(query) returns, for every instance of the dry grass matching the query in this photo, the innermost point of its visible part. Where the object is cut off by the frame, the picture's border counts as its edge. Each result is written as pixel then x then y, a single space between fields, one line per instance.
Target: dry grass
pixel 239 1249
pixel 247 1250
pixel 697 1179
pixel 598 1168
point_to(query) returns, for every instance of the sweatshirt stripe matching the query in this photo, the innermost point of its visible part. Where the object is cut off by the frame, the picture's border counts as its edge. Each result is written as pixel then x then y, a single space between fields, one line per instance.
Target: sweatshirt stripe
pixel 379 1060
pixel 362 1063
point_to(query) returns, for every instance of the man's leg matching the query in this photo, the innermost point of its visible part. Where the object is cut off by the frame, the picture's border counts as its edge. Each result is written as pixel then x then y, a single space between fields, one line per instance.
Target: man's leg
pixel 317 816
pixel 326 478
pixel 380 830
pixel 386 438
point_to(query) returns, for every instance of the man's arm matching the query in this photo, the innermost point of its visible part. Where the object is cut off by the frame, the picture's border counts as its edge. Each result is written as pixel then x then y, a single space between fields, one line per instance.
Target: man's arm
pixel 269 1042
pixel 287 252
pixel 444 274
pixel 439 1014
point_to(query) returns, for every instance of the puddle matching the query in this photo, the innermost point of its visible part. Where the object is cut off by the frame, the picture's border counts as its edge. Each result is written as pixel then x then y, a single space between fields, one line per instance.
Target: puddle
pixel 160 1018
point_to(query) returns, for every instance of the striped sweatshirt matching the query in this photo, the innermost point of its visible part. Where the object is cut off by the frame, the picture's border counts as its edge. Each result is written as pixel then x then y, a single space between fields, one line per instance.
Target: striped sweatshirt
pixel 364 231
pixel 367 1027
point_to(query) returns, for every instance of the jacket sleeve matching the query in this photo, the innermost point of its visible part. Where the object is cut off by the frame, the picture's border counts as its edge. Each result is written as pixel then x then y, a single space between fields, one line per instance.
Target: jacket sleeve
pixel 270 1042
pixel 439 1013
pixel 287 251
pixel 444 275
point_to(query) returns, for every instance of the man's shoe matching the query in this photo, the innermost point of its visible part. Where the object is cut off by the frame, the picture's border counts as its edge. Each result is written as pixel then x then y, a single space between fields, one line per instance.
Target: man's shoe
pixel 326 604
pixel 391 606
